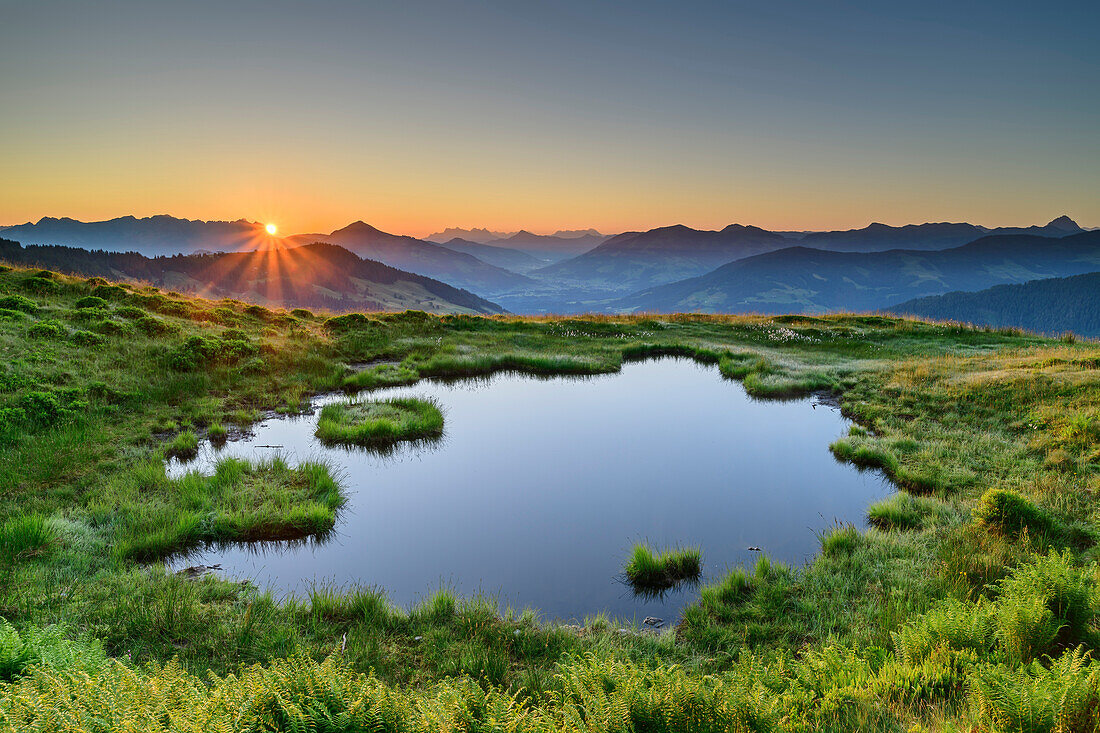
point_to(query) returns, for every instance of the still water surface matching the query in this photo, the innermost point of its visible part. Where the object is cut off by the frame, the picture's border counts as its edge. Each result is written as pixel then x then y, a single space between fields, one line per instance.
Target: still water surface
pixel 540 487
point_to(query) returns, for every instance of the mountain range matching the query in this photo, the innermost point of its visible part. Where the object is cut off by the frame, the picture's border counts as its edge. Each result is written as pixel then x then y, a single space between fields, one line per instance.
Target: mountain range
pixel 485 236
pixel 805 280
pixel 635 260
pixel 318 275
pixel 415 255
pixel 739 268
pixel 151 235
pixel 879 237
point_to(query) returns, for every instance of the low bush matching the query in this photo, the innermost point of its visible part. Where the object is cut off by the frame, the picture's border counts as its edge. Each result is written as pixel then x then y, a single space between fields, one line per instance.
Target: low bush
pixel 153 326
pixel 198 351
pixel 1004 511
pixel 47 649
pixel 41 286
pixel 19 303
pixel 110 292
pixel 88 339
pixel 48 329
pixel 91 301
pixel 129 312
pixel 351 322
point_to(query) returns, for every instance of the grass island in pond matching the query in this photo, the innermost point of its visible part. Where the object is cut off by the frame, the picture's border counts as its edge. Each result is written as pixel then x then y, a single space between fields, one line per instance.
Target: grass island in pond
pixel 653 573
pixel 378 422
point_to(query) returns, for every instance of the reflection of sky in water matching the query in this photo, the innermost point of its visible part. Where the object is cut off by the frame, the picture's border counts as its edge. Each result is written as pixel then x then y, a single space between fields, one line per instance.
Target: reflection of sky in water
pixel 540 487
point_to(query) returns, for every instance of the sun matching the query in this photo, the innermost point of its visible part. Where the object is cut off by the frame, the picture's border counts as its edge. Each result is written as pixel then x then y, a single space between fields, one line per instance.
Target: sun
pixel 271 228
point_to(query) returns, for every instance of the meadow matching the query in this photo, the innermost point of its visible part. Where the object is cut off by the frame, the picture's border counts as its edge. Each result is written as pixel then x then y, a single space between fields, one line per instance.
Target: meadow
pixel 971 602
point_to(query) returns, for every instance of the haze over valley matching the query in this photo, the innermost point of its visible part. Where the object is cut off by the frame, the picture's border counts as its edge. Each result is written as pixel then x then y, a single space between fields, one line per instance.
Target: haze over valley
pixel 737 269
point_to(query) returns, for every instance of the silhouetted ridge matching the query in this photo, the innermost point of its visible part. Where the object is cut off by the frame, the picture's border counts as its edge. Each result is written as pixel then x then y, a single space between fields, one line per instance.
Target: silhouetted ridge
pixel 315 275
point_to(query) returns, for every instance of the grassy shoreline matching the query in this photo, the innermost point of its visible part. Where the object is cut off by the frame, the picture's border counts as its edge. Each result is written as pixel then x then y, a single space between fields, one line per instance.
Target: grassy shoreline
pixel 867 635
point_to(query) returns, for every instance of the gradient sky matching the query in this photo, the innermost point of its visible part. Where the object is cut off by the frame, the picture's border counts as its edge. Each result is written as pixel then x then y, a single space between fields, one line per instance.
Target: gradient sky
pixel 419 115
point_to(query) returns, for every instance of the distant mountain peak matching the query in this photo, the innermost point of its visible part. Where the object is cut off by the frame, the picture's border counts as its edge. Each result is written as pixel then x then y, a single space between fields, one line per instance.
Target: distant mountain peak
pixel 576 233
pixel 1064 223
pixel 358 226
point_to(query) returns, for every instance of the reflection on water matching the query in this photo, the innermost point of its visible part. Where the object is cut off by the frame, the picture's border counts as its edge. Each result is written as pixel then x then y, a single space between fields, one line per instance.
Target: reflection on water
pixel 540 487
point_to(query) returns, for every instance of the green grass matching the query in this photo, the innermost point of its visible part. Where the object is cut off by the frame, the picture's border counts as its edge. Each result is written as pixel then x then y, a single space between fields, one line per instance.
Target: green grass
pixel 217 433
pixel 185 445
pixel 905 512
pixel 383 375
pixel 23 536
pixel 379 422
pixel 651 573
pixel 241 501
pixel 953 612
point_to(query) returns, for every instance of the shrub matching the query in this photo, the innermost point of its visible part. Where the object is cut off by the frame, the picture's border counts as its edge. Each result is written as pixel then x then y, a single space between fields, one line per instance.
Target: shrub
pixel 10 315
pixel 1046 602
pixel 1062 697
pixel 153 326
pixel 19 303
pixel 48 329
pixel 130 313
pixel 110 292
pixel 260 312
pixel 1010 513
pixel 44 409
pixel 197 351
pixel 87 338
pixel 46 648
pixel 40 285
pixel 301 313
pixel 108 327
pixel 91 301
pixel 350 322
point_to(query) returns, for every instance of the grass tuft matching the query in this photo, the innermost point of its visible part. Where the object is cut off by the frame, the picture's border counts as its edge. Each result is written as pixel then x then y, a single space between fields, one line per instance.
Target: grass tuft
pixel 385 421
pixel 653 573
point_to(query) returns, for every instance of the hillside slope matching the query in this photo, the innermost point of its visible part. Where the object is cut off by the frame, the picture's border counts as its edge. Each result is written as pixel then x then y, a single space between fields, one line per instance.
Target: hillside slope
pixel 1052 306
pixel 804 280
pixel 424 258
pixel 504 257
pixel 312 276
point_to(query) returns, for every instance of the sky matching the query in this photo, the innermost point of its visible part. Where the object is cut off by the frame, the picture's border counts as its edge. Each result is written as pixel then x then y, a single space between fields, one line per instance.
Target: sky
pixel 415 116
